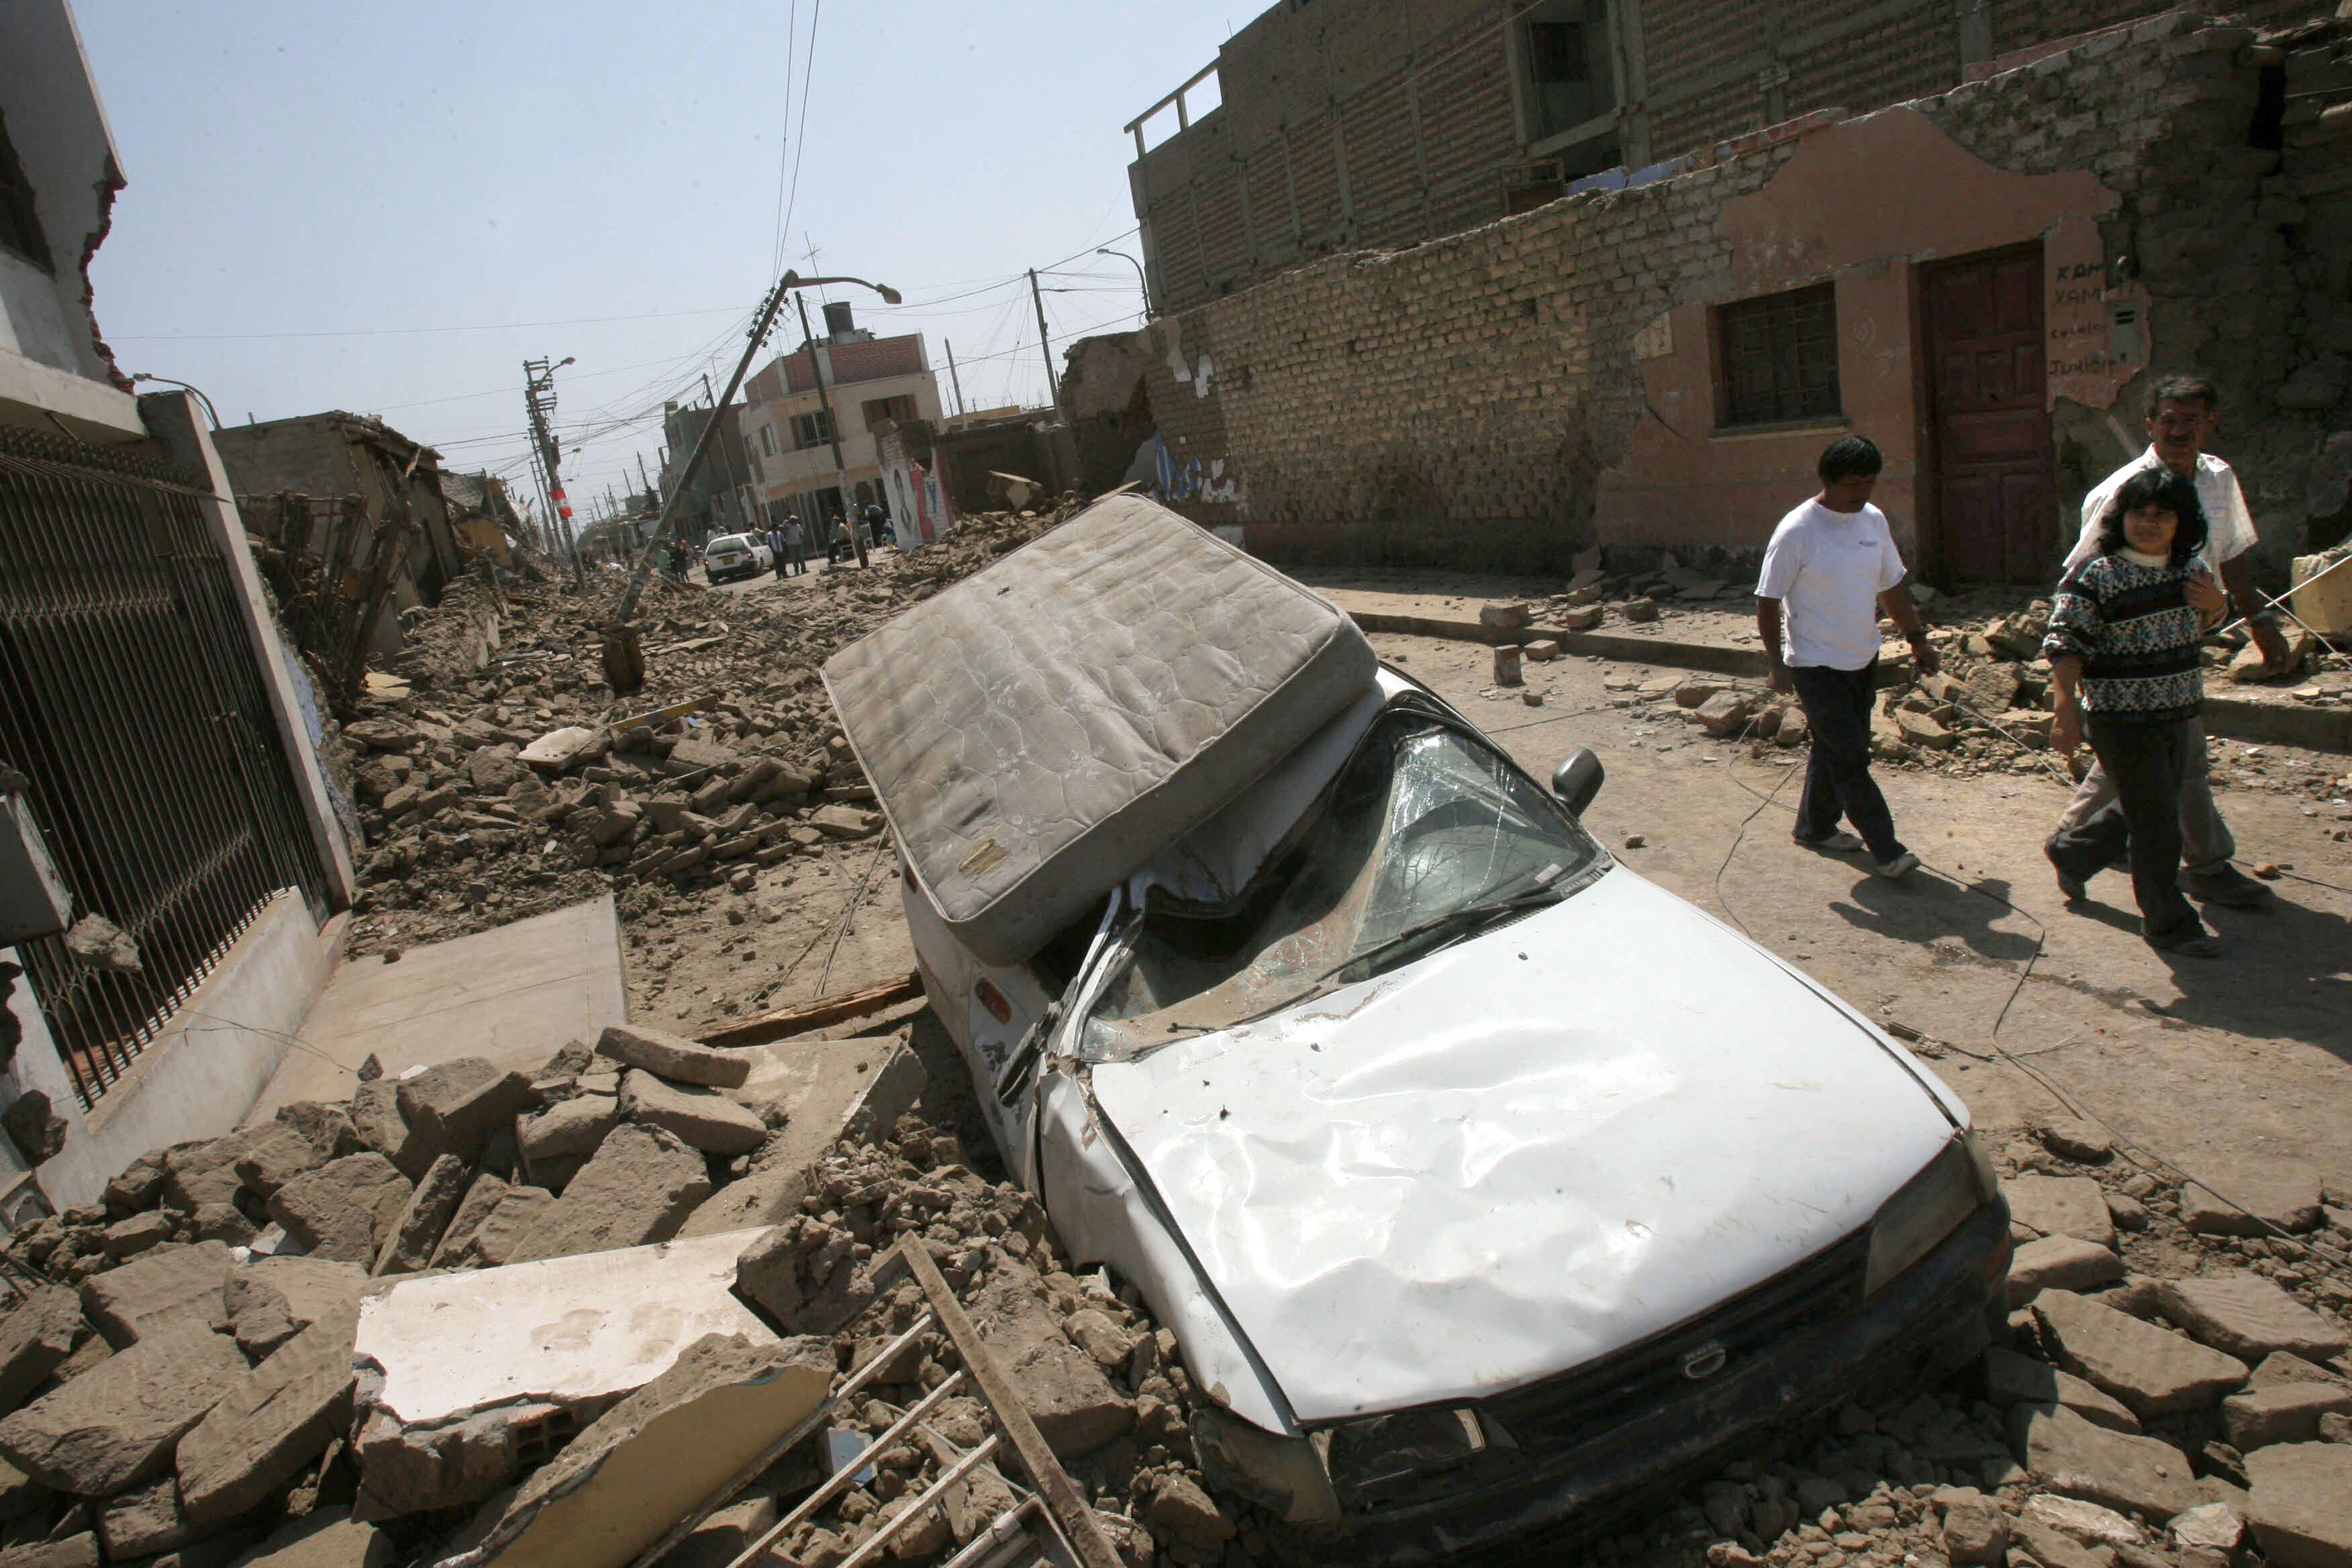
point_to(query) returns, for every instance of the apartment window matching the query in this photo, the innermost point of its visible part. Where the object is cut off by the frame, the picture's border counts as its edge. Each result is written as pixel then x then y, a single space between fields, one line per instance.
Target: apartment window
pixel 1565 62
pixel 880 411
pixel 767 440
pixel 811 429
pixel 1779 357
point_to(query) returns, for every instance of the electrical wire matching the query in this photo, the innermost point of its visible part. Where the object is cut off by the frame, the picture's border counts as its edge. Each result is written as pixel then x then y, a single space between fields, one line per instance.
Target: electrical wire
pixel 849 912
pixel 787 140
pixel 413 331
pixel 2065 1094
pixel 800 135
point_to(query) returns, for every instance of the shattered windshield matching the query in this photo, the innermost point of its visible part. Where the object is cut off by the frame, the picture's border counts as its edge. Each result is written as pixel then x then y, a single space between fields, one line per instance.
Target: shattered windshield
pixel 1427 836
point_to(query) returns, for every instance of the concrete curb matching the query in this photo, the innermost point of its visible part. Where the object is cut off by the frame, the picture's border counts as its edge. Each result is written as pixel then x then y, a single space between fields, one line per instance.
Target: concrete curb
pixel 2232 718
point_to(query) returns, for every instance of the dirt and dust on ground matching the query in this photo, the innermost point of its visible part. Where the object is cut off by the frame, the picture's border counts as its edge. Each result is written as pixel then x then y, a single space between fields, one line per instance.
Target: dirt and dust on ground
pixel 2177 1388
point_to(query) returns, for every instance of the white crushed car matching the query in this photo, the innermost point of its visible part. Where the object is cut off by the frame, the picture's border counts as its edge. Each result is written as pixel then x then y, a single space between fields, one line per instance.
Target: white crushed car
pixel 1480 1180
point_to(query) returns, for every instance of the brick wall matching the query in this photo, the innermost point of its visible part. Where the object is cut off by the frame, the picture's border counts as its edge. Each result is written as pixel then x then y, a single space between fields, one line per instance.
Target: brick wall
pixel 1455 403
pixel 1347 124
pixel 865 359
pixel 1362 124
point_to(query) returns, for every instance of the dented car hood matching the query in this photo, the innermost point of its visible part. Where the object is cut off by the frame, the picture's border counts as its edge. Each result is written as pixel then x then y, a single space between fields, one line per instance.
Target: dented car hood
pixel 1521 1152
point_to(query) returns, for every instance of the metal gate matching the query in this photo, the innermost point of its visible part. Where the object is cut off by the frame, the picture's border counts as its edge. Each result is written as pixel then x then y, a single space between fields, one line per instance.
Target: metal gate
pixel 131 699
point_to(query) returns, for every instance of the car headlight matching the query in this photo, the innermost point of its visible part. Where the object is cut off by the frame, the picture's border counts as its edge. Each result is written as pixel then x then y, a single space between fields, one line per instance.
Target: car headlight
pixel 1929 1207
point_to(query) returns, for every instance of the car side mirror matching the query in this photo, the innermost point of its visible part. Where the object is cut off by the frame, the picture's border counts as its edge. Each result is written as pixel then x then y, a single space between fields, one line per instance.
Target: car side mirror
pixel 1577 780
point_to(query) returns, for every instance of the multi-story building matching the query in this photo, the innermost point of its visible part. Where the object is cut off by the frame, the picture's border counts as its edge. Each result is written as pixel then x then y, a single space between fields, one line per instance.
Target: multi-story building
pixel 1372 124
pixel 869 381
pixel 722 499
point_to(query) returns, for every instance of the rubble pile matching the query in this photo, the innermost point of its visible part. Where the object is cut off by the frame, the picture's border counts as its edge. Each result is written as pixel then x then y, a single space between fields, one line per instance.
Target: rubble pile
pixel 1593 599
pixel 190 1368
pixel 1987 710
pixel 1104 1383
pixel 2177 1390
pixel 499 777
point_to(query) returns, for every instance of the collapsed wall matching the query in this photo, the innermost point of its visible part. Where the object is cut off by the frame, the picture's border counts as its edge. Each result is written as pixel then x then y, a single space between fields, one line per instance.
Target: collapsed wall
pixel 1494 398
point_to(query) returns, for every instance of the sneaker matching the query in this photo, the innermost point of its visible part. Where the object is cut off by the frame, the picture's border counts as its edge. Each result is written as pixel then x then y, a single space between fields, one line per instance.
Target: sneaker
pixel 1839 842
pixel 2225 884
pixel 2201 944
pixel 1902 865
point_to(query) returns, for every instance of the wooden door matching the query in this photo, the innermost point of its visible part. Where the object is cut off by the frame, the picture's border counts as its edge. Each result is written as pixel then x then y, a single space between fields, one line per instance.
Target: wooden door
pixel 1996 496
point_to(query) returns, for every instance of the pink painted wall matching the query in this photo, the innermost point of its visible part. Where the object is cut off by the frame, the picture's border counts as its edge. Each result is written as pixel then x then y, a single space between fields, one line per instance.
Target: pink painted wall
pixel 1864 203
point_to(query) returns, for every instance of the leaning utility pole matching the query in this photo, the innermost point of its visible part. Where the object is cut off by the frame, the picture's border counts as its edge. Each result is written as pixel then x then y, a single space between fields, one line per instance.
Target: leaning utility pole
pixel 1043 343
pixel 833 432
pixel 623 658
pixel 954 380
pixel 538 398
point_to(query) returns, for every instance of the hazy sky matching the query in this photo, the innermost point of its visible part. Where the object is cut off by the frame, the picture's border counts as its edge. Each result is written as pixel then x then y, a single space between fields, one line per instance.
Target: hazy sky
pixel 388 209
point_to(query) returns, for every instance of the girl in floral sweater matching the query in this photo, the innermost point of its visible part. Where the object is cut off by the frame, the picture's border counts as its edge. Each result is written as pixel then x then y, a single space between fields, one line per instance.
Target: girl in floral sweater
pixel 2124 649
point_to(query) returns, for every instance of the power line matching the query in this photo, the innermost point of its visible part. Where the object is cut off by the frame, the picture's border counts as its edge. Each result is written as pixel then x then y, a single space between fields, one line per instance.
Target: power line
pixel 413 332
pixel 787 140
pixel 800 136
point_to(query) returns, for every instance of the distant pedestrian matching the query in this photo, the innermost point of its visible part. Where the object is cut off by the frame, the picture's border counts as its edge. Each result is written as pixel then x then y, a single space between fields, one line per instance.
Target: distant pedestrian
pixel 796 544
pixel 1832 563
pixel 2125 636
pixel 877 525
pixel 775 541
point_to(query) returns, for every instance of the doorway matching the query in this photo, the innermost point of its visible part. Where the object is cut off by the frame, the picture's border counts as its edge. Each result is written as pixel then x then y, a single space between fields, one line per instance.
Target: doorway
pixel 1996 493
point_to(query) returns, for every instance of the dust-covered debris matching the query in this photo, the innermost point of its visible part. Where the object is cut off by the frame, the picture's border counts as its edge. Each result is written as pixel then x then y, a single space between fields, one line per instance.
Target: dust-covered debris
pixel 464 831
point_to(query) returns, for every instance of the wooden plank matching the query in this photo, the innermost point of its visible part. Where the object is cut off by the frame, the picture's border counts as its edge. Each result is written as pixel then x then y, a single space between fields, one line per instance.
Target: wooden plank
pixel 1068 1509
pixel 820 1014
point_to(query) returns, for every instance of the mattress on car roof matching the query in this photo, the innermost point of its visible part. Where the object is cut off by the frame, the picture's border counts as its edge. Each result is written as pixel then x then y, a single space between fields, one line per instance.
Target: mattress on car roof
pixel 1037 731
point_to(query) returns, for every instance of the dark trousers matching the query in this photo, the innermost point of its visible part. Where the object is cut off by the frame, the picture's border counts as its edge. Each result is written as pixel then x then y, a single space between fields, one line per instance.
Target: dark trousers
pixel 1837 773
pixel 2142 823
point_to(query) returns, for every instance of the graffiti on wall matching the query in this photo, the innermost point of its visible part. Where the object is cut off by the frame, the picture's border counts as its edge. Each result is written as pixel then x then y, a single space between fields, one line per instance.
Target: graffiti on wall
pixel 1176 481
pixel 2097 331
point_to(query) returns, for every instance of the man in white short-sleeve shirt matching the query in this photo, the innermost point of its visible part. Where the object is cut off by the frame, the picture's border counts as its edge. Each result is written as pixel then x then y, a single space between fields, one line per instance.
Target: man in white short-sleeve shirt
pixel 1831 566
pixel 2183 413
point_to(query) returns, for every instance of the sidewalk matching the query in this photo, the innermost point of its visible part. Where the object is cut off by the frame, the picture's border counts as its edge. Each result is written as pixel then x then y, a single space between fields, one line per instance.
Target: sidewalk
pixel 1719 636
pixel 514 994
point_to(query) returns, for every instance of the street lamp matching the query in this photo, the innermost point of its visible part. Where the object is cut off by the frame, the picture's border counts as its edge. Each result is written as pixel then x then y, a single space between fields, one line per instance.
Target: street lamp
pixel 210 412
pixel 1142 281
pixel 624 661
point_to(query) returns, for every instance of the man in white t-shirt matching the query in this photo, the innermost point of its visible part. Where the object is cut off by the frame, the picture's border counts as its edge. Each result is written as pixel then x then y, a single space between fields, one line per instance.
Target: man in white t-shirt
pixel 2183 412
pixel 1831 566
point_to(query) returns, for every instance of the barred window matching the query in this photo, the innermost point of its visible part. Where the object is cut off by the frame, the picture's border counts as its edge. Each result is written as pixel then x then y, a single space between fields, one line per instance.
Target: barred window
pixel 1780 357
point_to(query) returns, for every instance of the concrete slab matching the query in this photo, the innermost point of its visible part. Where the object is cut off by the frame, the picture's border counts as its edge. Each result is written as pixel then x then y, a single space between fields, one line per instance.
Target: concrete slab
pixel 513 996
pixel 660 1454
pixel 826 1089
pixel 568 1330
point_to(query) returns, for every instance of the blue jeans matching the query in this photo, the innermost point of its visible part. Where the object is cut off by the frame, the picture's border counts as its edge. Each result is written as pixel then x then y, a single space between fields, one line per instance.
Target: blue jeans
pixel 1837 773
